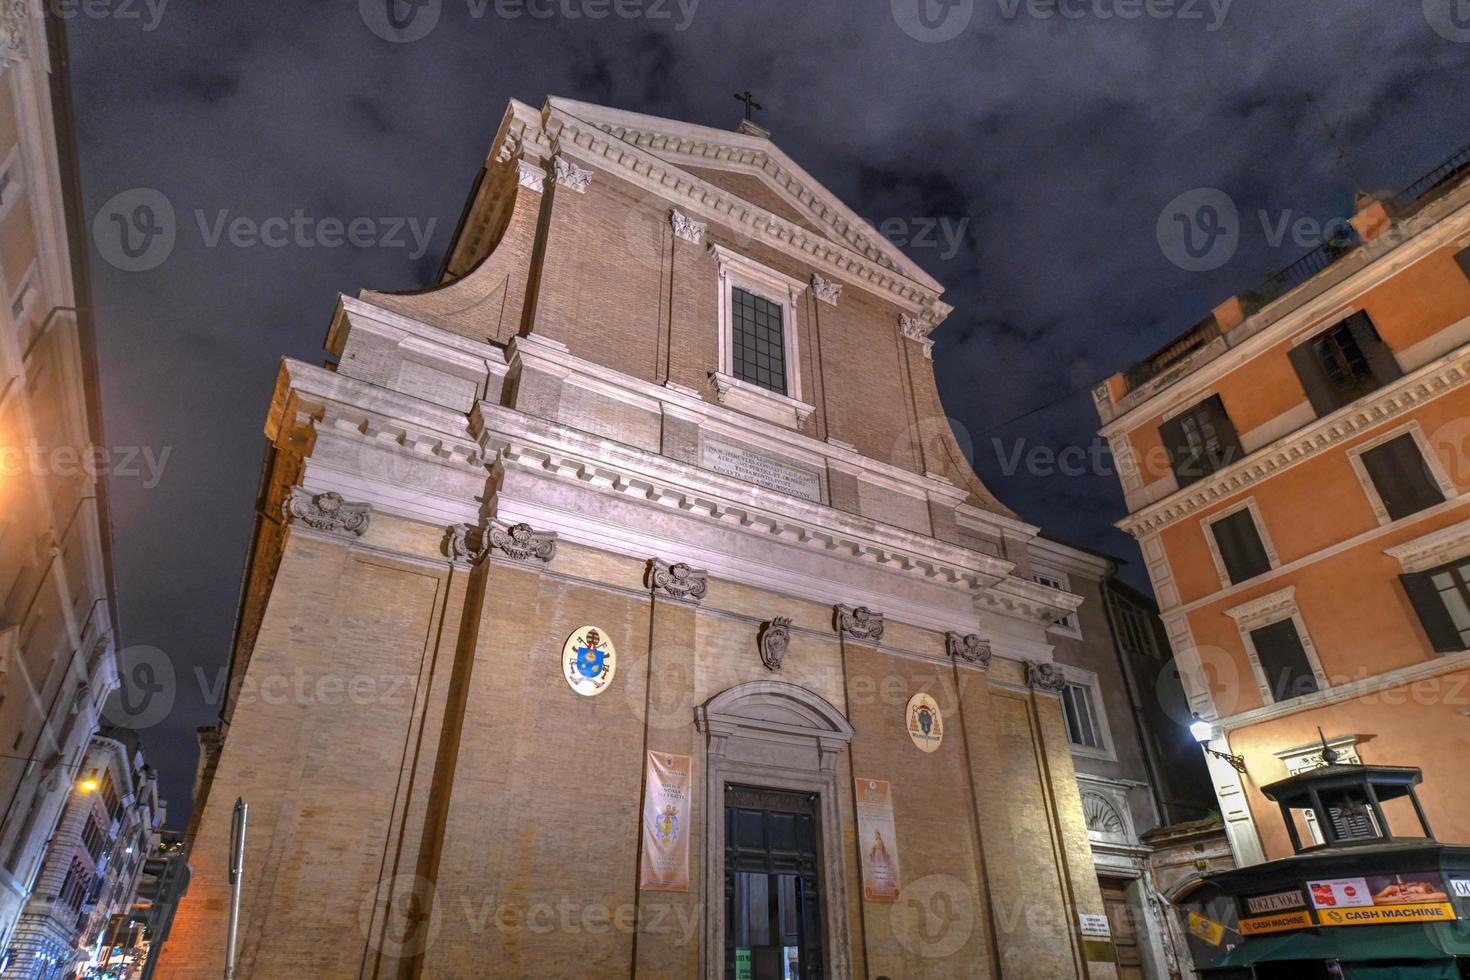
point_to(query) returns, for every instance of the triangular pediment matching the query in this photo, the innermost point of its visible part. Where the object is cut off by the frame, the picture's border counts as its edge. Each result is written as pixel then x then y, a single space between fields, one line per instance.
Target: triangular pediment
pixel 753 169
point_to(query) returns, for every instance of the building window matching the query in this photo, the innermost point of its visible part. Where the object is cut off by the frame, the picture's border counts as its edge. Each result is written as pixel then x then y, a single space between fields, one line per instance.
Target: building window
pixel 760 352
pixel 1343 363
pixel 1082 729
pixel 1238 543
pixel 1283 659
pixel 759 370
pixel 1060 582
pixel 1400 474
pixel 1200 440
pixel 1441 599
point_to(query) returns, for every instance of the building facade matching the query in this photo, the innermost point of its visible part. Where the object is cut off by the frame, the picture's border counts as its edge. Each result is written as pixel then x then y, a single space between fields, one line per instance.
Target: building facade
pixel 1295 467
pixel 1137 769
pixel 92 865
pixel 58 629
pixel 623 605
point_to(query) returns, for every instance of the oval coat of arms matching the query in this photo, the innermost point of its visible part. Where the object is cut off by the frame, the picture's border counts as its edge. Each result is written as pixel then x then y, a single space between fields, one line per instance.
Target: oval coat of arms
pixel 925 725
pixel 588 661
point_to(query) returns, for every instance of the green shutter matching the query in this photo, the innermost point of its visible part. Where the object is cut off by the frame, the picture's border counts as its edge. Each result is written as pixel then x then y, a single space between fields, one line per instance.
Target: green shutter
pixel 1314 380
pixel 1187 465
pixel 1433 615
pixel 1231 450
pixel 1380 356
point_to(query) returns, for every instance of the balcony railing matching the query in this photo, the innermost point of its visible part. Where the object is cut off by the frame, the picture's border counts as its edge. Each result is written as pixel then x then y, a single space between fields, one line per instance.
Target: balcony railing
pixel 1454 167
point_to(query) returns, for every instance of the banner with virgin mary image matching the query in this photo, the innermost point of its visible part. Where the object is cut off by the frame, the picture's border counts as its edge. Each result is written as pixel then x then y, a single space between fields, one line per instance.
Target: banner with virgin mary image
pixel 877 840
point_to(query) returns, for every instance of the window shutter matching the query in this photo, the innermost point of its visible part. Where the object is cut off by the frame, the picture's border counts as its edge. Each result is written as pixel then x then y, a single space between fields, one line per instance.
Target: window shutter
pixel 1283 660
pixel 1230 450
pixel 1433 615
pixel 1185 463
pixel 1402 478
pixel 1380 357
pixel 1241 549
pixel 1309 372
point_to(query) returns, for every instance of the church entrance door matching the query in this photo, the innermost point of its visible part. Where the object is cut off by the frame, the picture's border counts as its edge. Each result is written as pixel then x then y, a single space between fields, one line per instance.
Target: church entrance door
pixel 773 924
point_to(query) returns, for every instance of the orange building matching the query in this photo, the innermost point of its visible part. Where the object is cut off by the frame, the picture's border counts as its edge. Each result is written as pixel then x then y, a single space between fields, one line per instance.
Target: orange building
pixel 1296 472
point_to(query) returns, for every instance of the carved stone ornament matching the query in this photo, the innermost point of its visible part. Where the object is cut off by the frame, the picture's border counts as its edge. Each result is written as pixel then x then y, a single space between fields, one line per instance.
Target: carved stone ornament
pixel 860 623
pixel 521 543
pixel 465 543
pixel 775 637
pixel 677 581
pixel 568 174
pixel 971 649
pixel 15 18
pixel 1047 678
pixel 916 329
pixel 825 290
pixel 326 512
pixel 530 176
pixel 686 227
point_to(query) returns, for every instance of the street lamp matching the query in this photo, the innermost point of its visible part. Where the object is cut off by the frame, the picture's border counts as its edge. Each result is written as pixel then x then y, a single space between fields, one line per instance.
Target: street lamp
pixel 1203 731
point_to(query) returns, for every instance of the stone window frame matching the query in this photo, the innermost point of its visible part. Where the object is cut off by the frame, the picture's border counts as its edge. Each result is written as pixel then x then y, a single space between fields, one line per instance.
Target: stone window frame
pixel 1082 677
pixel 736 270
pixel 1431 550
pixel 1268 610
pixel 1207 524
pixel 781 727
pixel 1431 461
pixel 1070 624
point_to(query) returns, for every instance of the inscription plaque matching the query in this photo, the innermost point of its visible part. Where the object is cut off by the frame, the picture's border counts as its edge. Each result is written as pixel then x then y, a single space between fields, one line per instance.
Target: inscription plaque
pixel 760 469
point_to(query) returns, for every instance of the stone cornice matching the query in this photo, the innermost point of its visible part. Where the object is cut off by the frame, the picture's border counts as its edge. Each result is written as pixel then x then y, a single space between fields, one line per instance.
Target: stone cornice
pixel 1433 549
pixel 1034 601
pixel 1437 378
pixel 646 158
pixel 539 445
pixel 1249 613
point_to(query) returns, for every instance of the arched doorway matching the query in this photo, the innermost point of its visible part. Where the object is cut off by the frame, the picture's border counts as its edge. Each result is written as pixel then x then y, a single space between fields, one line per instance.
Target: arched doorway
pixel 775 884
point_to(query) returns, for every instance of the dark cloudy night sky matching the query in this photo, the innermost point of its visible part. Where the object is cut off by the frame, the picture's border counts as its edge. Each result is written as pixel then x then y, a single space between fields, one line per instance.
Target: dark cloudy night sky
pixel 1042 150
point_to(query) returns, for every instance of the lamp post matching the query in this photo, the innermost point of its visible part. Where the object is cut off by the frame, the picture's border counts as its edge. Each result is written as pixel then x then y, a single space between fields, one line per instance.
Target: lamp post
pixel 1203 731
pixel 237 867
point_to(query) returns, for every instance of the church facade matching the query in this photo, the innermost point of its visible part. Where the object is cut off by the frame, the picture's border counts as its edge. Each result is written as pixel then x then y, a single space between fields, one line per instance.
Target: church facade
pixel 623 605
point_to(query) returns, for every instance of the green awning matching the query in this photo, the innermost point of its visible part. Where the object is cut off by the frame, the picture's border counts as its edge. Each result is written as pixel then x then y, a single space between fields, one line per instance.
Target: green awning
pixel 1429 941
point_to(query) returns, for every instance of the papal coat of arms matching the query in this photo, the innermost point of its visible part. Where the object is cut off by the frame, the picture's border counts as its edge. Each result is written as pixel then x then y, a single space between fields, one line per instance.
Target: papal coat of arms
pixel 925 724
pixel 588 661
pixel 666 826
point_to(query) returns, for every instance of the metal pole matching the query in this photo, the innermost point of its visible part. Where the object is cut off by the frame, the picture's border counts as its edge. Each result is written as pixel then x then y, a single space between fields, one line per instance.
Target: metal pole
pixel 237 865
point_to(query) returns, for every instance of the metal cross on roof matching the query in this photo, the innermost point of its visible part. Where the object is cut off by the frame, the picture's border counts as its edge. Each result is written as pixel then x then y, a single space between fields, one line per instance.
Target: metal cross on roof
pixel 750 103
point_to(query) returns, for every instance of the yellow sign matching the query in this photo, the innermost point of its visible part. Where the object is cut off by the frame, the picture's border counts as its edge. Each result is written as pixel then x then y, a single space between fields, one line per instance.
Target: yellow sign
pixel 1281 922
pixel 1380 914
pixel 1207 929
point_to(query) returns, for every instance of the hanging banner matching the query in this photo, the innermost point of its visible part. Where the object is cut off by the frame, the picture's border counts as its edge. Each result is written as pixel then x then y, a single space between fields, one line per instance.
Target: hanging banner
pixel 666 816
pixel 877 840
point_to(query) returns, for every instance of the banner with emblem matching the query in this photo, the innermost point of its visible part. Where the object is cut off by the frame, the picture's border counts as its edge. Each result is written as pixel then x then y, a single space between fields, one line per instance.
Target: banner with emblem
pixel 877 840
pixel 667 813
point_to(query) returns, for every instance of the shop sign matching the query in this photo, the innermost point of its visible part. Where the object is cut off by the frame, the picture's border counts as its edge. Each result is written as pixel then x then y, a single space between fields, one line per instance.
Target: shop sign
pixel 1262 924
pixel 1461 887
pixel 1378 899
pixel 1207 929
pixel 1275 902
pixel 1094 926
